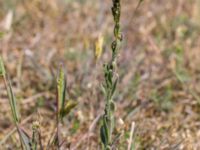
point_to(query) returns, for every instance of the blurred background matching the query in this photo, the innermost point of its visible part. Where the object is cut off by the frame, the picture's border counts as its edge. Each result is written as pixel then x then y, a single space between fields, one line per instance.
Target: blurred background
pixel 159 69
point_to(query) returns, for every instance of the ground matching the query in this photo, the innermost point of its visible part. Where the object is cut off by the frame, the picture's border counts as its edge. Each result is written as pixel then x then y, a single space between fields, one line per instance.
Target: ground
pixel 158 66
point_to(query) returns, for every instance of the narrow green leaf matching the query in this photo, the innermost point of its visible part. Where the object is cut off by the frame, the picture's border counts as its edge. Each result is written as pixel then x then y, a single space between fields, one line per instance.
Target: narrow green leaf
pixel 103 89
pixel 104 132
pixel 12 101
pixel 2 68
pixel 26 141
pixel 114 87
pixel 103 135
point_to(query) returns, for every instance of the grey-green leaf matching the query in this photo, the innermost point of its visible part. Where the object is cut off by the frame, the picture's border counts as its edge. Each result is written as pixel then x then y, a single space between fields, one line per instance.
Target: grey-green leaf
pixel 2 68
pixel 112 106
pixel 114 87
pixel 25 139
pixel 104 132
pixel 12 101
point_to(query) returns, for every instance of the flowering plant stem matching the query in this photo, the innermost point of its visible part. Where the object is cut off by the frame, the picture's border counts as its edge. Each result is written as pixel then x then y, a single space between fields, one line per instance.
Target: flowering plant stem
pixel 111 79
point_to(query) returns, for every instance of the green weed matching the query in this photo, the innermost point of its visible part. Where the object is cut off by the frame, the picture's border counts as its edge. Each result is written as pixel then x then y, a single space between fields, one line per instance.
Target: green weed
pixel 111 79
pixel 34 142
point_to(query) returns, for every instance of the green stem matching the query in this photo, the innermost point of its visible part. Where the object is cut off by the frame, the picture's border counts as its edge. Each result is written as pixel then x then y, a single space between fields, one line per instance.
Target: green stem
pixel 111 80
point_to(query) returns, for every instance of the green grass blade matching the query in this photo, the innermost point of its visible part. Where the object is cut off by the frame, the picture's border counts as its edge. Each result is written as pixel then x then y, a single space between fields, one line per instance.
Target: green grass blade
pixel 61 89
pixel 2 68
pixel 12 101
pixel 26 141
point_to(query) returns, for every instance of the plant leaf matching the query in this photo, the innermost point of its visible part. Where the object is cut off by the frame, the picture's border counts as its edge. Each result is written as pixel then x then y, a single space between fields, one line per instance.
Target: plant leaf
pixel 104 132
pixel 10 93
pixel 103 89
pixel 25 139
pixel 2 68
pixel 68 107
pixel 12 101
pixel 114 87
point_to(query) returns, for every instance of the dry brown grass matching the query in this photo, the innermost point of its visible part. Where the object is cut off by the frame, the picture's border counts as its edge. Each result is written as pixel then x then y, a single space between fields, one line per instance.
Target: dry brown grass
pixel 159 70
